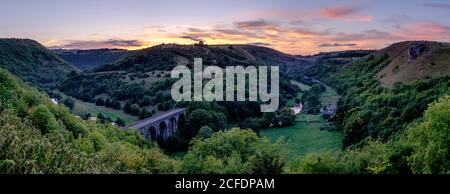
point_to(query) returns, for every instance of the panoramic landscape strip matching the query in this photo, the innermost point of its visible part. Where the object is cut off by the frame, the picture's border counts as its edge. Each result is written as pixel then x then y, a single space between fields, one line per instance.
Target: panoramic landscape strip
pixel 255 89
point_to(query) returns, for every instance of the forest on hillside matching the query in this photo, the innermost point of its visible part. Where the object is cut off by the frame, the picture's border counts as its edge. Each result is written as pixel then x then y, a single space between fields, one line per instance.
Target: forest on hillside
pixel 403 129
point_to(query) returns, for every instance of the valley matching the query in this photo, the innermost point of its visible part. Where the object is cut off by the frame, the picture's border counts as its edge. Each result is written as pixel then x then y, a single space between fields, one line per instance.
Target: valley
pixel 81 107
pixel 307 134
pixel 362 112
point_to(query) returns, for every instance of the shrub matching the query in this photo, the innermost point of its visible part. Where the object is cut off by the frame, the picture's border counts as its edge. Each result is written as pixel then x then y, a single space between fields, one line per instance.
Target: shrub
pixel 44 119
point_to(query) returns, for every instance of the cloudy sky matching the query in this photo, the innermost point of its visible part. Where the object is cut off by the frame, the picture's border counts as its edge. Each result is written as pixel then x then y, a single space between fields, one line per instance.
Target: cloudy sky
pixel 292 26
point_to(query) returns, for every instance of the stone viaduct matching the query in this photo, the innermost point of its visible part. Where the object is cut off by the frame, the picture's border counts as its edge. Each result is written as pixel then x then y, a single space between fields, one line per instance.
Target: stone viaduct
pixel 160 127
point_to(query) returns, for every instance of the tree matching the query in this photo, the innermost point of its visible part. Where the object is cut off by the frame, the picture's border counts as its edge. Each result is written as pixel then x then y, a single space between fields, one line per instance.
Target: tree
pixel 146 101
pixel 286 117
pixel 134 109
pixel 234 151
pixel 205 132
pixel 160 107
pixel 99 102
pixel 199 118
pixel 127 107
pixel 108 102
pixel 117 105
pixel 431 138
pixel 120 122
pixel 144 113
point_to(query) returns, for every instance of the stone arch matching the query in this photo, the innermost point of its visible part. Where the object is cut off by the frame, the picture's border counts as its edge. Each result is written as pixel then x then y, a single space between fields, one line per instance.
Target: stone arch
pixel 181 120
pixel 172 125
pixel 162 131
pixel 152 133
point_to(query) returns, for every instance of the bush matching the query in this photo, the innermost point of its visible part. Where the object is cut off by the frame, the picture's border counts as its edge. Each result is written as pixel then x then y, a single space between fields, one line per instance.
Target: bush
pixel 44 119
pixel 99 102
pixel 234 151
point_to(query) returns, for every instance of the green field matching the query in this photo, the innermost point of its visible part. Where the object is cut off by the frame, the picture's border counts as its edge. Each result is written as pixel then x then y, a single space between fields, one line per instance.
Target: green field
pixel 81 107
pixel 330 96
pixel 305 135
pixel 302 86
pixel 87 107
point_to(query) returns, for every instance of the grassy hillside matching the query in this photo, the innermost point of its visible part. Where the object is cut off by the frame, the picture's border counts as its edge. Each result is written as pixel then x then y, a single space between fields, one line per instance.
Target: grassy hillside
pixel 33 63
pixel 411 61
pixel 368 110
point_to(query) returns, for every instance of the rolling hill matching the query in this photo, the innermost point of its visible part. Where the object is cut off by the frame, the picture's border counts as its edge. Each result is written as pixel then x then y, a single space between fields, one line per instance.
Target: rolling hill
pixel 33 63
pixel 414 60
pixel 167 56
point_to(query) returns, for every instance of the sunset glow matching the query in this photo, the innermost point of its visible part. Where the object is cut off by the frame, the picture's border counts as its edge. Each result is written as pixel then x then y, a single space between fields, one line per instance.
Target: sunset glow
pixel 296 27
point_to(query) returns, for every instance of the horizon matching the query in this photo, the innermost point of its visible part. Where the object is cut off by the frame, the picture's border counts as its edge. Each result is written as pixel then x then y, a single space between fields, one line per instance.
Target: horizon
pixel 319 52
pixel 292 27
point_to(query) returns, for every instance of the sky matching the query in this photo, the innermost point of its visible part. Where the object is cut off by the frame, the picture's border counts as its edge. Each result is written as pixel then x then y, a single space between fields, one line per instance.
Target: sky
pixel 291 26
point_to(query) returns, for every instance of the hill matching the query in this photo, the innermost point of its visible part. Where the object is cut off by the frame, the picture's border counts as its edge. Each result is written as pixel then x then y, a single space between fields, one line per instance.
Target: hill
pixel 33 63
pixel 368 109
pixel 146 72
pixel 38 137
pixel 90 59
pixel 414 60
pixel 326 63
pixel 140 84
pixel 167 56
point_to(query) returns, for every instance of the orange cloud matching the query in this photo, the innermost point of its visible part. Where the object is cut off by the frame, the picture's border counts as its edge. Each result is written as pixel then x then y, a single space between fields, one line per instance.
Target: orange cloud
pixel 424 31
pixel 345 13
pixel 338 12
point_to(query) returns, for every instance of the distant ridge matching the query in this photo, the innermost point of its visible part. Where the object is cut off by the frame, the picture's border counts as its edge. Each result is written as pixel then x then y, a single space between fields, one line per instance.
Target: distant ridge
pixel 33 63
pixel 166 56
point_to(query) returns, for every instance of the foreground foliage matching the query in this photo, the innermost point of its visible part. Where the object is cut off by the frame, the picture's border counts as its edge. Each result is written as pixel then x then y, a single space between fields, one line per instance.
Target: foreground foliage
pixel 37 136
pixel 235 151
